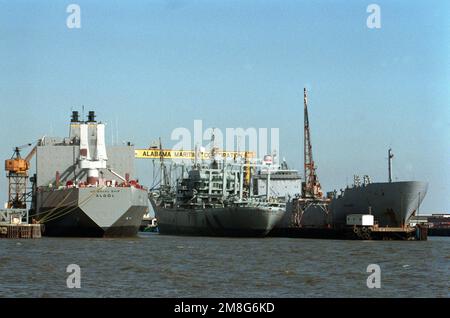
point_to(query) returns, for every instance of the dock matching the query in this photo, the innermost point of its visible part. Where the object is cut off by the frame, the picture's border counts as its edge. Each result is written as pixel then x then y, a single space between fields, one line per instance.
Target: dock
pixel 20 231
pixel 416 233
pixel 408 233
pixel 14 225
pixel 438 224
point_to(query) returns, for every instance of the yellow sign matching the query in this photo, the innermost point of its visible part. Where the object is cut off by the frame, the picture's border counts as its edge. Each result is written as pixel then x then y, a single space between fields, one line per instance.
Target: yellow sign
pixel 187 154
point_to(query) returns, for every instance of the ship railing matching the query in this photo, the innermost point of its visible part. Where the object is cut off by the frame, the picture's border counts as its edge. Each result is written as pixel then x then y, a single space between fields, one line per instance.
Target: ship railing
pixel 83 185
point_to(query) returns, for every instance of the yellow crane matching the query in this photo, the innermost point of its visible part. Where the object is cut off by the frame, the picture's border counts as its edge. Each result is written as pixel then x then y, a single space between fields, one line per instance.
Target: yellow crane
pixel 17 169
pixel 156 153
pixel 164 154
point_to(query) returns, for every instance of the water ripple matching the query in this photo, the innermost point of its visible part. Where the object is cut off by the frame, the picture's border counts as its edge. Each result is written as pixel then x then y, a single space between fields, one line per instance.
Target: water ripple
pixel 169 266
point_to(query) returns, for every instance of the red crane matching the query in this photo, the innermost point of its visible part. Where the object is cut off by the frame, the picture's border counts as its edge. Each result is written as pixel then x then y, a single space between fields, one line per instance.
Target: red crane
pixel 311 186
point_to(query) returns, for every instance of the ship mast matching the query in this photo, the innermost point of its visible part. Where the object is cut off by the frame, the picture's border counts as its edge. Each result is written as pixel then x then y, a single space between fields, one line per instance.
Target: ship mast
pixel 165 177
pixel 390 156
pixel 311 185
pixel 213 153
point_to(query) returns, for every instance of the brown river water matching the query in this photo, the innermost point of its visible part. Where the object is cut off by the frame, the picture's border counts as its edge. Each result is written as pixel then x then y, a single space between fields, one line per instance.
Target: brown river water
pixel 153 265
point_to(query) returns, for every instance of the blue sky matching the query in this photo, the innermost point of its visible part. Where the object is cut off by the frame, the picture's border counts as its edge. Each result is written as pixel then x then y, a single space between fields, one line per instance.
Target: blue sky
pixel 158 65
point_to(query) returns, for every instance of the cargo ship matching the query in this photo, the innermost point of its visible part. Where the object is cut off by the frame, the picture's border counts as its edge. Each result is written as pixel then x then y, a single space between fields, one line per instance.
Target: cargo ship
pixel 311 214
pixel 215 200
pixel 82 188
pixel 391 203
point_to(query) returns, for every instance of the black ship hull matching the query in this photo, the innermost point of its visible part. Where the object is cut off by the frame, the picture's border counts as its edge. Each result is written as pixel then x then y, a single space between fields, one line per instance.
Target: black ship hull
pixel 225 222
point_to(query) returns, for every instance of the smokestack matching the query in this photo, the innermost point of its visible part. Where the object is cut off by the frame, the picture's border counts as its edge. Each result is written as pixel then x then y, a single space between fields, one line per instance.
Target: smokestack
pixel 75 117
pixel 91 117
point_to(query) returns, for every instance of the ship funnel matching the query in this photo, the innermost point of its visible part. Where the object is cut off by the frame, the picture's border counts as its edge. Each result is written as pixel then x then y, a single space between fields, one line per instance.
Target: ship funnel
pixel 75 117
pixel 91 117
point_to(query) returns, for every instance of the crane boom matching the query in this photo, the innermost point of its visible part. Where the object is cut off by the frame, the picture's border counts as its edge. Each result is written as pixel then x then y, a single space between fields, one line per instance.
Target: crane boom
pixel 311 185
pixel 31 154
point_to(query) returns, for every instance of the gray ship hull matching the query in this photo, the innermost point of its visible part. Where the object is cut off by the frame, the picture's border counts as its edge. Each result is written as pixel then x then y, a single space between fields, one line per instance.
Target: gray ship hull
pixel 91 212
pixel 227 221
pixel 392 204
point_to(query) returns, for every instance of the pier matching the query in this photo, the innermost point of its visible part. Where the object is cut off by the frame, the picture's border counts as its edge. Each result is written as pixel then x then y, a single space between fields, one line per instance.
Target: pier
pixel 14 225
pixel 20 231
pixel 408 233
pixel 416 233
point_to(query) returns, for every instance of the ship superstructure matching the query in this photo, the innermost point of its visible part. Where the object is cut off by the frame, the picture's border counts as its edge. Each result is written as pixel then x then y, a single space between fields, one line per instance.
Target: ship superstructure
pixel 215 199
pixel 285 183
